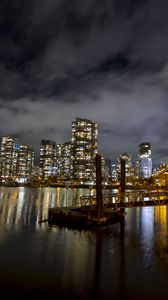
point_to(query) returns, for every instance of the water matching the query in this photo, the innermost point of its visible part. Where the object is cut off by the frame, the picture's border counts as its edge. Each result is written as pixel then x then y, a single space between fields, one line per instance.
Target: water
pixel 122 261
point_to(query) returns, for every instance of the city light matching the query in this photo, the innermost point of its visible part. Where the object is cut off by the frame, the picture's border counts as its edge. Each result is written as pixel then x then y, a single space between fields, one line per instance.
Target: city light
pixel 73 162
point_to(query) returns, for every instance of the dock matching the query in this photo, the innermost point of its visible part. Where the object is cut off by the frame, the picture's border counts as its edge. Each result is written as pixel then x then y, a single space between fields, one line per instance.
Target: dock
pixel 82 217
pixel 88 217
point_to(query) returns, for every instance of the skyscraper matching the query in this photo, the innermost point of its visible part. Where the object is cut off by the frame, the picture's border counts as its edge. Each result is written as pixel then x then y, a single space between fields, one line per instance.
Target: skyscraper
pixel 67 160
pixel 8 156
pixel 128 163
pixel 59 161
pixel 63 160
pixel 145 160
pixel 47 159
pixel 25 163
pixel 16 161
pixel 106 170
pixel 84 148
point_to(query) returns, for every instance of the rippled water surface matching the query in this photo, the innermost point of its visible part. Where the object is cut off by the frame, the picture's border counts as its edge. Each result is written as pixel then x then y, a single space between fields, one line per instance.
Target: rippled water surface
pixel 126 260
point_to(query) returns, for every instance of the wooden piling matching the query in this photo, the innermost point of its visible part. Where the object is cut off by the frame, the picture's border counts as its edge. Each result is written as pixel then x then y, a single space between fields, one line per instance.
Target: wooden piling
pixel 99 197
pixel 122 183
pixel 122 178
pixel 86 217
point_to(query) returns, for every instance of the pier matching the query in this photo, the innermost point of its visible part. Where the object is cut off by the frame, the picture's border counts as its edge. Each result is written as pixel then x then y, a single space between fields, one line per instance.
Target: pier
pixel 89 215
pixel 129 199
pixel 82 217
pixel 104 209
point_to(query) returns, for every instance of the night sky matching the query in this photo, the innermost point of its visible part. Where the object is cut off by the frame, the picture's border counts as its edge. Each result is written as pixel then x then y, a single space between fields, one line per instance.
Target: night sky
pixel 103 60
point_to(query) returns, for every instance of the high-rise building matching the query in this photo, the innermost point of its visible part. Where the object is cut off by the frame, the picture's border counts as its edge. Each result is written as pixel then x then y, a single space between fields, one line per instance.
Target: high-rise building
pixel 106 170
pixel 84 148
pixel 145 160
pixel 114 172
pixel 25 163
pixel 8 156
pixel 59 161
pixel 128 163
pixel 129 169
pixel 64 160
pixel 67 160
pixel 47 159
pixel 30 161
pixel 16 161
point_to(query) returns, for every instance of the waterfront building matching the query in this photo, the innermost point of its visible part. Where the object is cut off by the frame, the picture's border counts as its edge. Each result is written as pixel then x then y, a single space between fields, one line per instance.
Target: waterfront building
pixel 129 169
pixel 114 172
pixel 106 170
pixel 25 163
pixel 67 160
pixel 36 171
pixel 16 161
pixel 8 155
pixel 47 159
pixel 137 169
pixel 30 161
pixel 55 160
pixel 64 160
pixel 59 161
pixel 145 160
pixel 128 163
pixel 84 148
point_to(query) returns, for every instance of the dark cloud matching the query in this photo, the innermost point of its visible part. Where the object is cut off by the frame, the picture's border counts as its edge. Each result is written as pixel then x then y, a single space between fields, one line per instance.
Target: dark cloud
pixel 102 60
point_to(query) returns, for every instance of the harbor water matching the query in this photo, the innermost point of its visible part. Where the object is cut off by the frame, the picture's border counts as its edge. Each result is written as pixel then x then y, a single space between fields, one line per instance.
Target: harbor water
pixel 125 260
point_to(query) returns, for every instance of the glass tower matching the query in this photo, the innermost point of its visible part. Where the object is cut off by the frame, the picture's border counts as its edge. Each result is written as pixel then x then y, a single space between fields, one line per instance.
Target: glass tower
pixel 145 160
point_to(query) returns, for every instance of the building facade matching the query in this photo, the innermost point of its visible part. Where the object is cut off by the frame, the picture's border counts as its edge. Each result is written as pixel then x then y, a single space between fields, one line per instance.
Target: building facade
pixel 67 160
pixel 106 170
pixel 16 161
pixel 84 148
pixel 25 163
pixel 47 159
pixel 64 161
pixel 145 160
pixel 129 169
pixel 8 156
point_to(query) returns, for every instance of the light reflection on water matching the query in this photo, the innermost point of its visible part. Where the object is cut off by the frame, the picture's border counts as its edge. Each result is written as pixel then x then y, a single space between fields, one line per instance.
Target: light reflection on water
pixel 25 205
pixel 121 261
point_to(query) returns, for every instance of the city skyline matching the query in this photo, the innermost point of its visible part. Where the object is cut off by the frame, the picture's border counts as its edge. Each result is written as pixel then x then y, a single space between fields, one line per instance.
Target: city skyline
pixel 74 160
pixel 114 159
pixel 104 61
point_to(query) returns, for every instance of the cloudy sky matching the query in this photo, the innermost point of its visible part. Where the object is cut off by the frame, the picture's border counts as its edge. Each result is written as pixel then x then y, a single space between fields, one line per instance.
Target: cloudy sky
pixel 106 61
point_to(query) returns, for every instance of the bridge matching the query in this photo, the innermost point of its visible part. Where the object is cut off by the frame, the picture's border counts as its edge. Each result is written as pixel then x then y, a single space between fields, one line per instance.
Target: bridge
pixel 127 199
